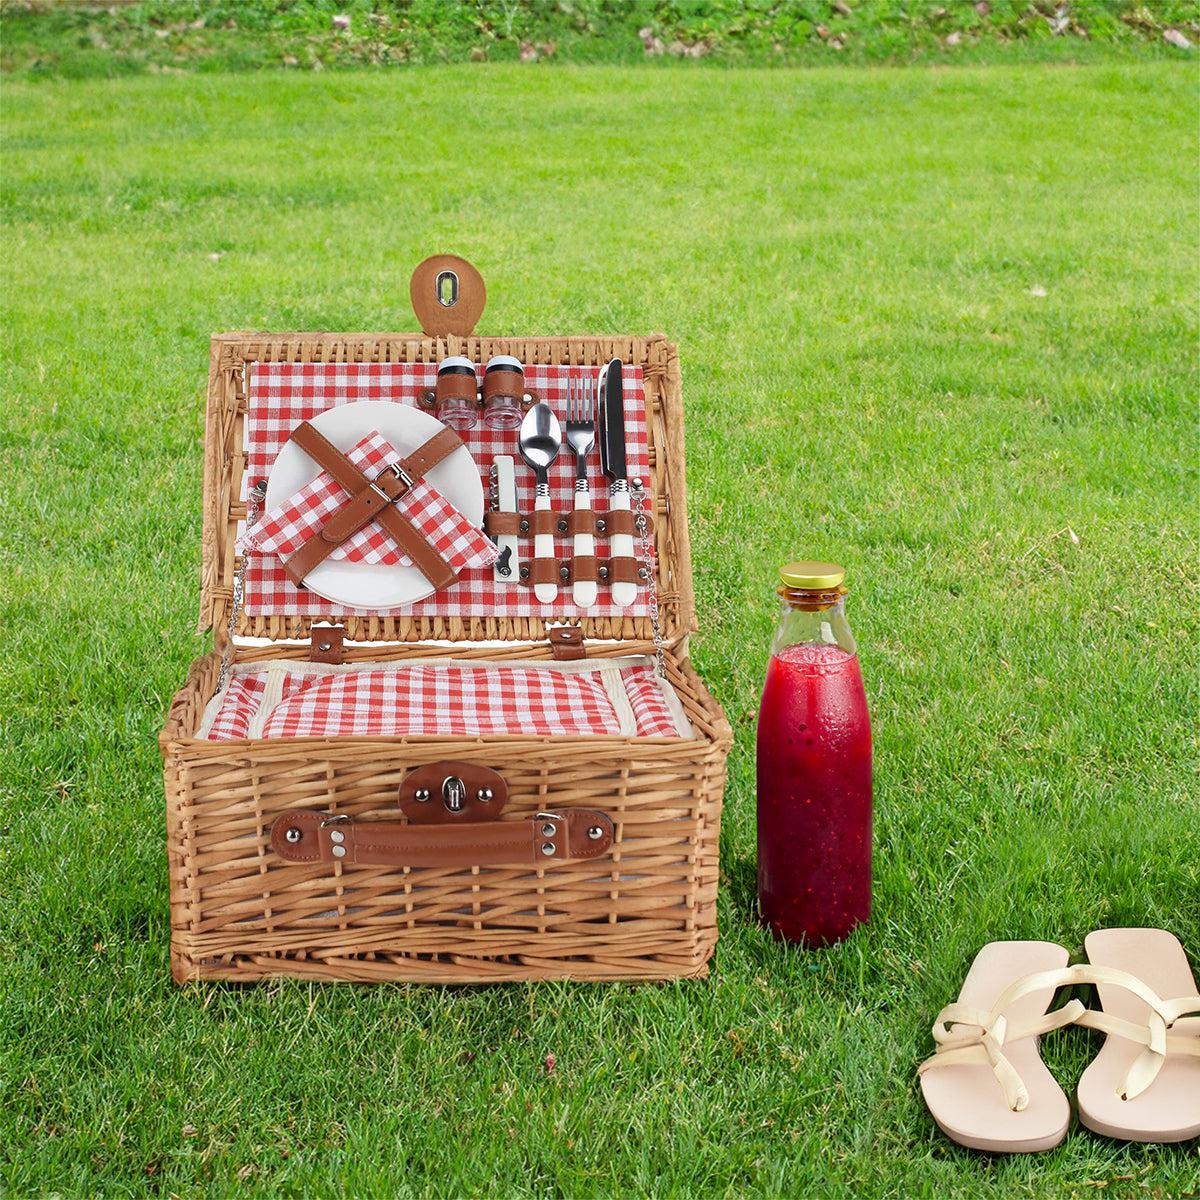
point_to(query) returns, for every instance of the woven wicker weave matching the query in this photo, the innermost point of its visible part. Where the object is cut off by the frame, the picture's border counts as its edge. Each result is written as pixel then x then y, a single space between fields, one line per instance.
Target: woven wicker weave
pixel 647 911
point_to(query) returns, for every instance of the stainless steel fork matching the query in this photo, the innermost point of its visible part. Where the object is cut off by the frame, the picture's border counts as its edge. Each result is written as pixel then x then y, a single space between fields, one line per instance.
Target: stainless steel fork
pixel 581 437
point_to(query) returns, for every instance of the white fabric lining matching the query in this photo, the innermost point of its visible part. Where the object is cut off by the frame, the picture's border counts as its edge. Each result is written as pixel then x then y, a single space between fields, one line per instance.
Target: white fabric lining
pixel 271 697
pixel 614 685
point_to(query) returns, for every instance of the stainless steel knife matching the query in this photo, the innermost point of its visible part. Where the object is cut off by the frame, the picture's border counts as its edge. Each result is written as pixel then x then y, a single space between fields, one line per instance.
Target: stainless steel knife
pixel 612 462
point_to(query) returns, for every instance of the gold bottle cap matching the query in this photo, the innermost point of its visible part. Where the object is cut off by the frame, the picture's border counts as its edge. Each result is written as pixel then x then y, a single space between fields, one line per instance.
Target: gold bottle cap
pixel 812 576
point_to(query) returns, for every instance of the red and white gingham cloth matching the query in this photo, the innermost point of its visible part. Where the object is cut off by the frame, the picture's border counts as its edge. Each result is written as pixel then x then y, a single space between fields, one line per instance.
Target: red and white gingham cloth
pixel 281 395
pixel 449 699
pixel 286 528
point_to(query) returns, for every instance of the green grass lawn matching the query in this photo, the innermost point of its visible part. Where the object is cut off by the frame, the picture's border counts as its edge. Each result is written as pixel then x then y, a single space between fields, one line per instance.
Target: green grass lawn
pixel 937 325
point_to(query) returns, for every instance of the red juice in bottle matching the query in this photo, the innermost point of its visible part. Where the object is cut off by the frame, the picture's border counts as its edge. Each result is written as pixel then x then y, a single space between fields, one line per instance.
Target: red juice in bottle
pixel 814 767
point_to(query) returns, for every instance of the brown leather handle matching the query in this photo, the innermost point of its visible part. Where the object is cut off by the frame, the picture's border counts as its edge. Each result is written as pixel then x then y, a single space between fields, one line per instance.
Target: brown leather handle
pixel 314 837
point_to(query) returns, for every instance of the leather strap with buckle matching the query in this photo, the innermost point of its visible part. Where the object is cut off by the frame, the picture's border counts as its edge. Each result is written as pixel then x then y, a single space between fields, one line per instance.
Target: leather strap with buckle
pixel 372 499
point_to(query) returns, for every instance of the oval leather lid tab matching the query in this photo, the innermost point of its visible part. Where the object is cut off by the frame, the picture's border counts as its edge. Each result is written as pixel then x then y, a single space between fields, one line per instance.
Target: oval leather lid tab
pixel 447 295
pixel 452 793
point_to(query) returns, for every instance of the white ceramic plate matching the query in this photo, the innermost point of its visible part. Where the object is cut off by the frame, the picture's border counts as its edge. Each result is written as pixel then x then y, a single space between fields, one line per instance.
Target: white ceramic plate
pixel 370 585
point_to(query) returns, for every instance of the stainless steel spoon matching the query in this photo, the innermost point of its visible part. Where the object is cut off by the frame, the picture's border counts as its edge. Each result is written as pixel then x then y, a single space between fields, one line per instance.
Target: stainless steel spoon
pixel 539 442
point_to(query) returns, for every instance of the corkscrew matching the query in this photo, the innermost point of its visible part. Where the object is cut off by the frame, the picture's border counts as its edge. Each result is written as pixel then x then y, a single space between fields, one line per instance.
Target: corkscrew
pixel 502 497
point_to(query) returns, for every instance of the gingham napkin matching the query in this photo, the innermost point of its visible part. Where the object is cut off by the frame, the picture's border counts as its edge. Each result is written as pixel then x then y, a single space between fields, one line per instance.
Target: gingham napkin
pixel 286 528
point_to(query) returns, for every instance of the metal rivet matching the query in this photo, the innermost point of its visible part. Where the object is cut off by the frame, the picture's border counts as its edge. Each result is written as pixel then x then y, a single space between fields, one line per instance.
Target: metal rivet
pixel 421 795
pixel 562 525
pixel 293 835
pixel 564 572
pixel 339 851
pixel 337 835
pixel 547 830
pixel 595 832
pixel 601 526
pixel 524 572
pixel 636 483
pixel 485 794
pixel 547 848
pixel 643 573
pixel 523 526
pixel 603 572
pixel 324 645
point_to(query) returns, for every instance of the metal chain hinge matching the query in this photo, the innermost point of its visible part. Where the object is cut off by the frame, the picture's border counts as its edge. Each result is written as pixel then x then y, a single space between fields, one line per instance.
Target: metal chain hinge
pixel 254 503
pixel 642 525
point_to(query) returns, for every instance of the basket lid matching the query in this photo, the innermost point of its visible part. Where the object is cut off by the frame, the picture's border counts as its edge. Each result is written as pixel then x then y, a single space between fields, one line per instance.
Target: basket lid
pixel 254 376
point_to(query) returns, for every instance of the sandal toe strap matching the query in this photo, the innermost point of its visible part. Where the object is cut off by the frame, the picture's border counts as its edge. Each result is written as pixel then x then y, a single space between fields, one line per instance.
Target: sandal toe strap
pixel 976 1037
pixel 1168 1029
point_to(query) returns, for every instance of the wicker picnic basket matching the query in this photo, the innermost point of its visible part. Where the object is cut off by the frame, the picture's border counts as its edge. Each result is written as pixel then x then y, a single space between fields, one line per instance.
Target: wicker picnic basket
pixel 643 909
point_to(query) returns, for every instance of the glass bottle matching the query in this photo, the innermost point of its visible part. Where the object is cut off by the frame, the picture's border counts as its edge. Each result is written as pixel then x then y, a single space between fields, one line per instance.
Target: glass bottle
pixel 814 766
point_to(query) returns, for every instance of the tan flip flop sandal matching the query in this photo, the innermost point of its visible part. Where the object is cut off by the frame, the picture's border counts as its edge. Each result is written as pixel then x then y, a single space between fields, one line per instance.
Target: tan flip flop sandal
pixel 986 1086
pixel 1144 1085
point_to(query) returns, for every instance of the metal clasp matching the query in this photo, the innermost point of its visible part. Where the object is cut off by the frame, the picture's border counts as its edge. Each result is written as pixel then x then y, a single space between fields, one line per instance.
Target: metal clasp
pixel 454 794
pixel 399 473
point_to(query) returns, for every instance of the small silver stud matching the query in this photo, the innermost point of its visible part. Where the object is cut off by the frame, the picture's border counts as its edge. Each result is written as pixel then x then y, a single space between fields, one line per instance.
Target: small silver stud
pixel 636 483
pixel 293 835
pixel 324 645
pixel 339 852
pixel 421 795
pixel 547 848
pixel 601 526
pixel 337 836
pixel 485 794
pixel 595 832
pixel 547 830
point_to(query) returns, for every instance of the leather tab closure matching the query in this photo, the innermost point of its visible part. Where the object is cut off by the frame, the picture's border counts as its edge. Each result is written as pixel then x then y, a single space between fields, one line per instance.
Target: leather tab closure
pixel 566 643
pixel 454 793
pixel 326 644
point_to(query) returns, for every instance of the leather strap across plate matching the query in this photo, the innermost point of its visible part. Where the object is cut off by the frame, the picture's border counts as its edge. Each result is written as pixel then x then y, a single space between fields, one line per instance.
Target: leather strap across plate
pixel 569 836
pixel 372 500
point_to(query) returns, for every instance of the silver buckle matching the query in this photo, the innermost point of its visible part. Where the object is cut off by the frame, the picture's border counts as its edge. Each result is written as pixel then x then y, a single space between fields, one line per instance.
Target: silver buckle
pixel 401 474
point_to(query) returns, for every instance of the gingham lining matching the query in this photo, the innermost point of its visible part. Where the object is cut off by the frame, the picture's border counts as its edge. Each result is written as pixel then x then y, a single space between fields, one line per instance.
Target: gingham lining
pixel 289 526
pixel 281 395
pixel 445 697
